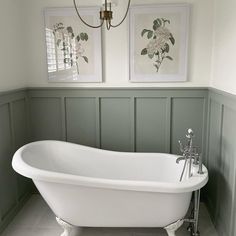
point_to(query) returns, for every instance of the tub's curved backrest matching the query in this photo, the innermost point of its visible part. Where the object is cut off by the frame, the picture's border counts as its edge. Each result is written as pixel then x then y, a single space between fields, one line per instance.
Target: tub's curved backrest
pixel 80 160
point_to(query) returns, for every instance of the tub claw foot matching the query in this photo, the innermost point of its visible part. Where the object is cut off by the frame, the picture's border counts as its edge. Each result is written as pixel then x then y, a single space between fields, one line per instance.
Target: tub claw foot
pixel 170 229
pixel 66 227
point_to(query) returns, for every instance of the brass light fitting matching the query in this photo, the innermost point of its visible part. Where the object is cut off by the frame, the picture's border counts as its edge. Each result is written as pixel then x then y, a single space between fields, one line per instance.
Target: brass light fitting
pixel 106 15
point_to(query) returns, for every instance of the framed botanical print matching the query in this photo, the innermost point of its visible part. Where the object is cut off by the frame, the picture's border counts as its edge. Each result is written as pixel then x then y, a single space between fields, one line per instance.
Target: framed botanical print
pixel 73 49
pixel 159 43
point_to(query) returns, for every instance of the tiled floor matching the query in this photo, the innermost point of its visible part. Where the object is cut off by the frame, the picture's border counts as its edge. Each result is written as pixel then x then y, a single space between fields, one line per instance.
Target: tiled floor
pixel 36 219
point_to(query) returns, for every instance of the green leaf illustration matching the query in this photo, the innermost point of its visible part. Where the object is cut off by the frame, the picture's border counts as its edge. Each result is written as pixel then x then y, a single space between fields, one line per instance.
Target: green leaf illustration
pixel 58 42
pixel 150 56
pixel 167 47
pixel 170 58
pixel 144 31
pixel 172 39
pixel 69 29
pixel 165 20
pixel 78 38
pixel 157 67
pixel 86 59
pixel 150 34
pixel 83 36
pixel 157 23
pixel 86 37
pixel 144 51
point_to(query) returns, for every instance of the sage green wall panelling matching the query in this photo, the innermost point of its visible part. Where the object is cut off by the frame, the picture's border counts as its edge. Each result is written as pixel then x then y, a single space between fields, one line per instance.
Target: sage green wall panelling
pixel 13 119
pixel 19 120
pixel 7 176
pixel 115 124
pixel 81 121
pixel 152 122
pixel 187 113
pixel 46 118
pixel 214 157
pixel 14 133
pixel 221 198
pixel 118 119
pixel 227 171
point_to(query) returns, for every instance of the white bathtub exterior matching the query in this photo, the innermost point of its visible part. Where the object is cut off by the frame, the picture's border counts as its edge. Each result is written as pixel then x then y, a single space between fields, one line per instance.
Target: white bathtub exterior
pixel 91 187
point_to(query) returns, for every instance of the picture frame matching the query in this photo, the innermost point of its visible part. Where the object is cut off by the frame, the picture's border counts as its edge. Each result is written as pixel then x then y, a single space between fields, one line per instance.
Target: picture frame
pixel 158 42
pixel 74 52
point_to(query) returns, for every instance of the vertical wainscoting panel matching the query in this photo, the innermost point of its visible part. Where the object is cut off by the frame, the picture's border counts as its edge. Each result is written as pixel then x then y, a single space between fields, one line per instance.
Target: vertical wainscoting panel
pixel 221 198
pixel 227 171
pixel 7 176
pixel 81 121
pixel 45 117
pixel 14 190
pixel 214 157
pixel 115 124
pixel 187 113
pixel 19 120
pixel 20 132
pixel 151 118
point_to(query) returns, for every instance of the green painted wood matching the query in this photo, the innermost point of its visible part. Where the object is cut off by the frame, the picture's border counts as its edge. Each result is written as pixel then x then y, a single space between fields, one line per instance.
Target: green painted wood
pixel 20 129
pixel 12 135
pixel 214 156
pixel 20 123
pixel 115 124
pixel 221 190
pixel 7 175
pixel 132 124
pixel 98 122
pixel 63 118
pixel 226 181
pixel 187 113
pixel 100 95
pixel 151 118
pixel 117 92
pixel 81 121
pixel 11 96
pixel 45 117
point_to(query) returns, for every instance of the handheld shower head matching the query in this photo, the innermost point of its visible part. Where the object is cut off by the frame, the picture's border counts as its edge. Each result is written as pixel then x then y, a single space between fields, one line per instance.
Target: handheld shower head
pixel 190 133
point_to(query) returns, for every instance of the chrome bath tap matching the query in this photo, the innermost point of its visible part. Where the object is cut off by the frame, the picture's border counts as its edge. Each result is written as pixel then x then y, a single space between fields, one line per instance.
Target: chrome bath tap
pixel 190 155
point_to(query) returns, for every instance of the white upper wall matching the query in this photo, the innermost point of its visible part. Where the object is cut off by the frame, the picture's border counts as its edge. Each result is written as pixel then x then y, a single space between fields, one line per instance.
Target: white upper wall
pixel 12 45
pixel 22 45
pixel 115 45
pixel 224 47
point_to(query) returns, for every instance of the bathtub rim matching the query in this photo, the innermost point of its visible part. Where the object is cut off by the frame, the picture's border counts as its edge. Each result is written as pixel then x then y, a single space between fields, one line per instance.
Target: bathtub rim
pixel 196 182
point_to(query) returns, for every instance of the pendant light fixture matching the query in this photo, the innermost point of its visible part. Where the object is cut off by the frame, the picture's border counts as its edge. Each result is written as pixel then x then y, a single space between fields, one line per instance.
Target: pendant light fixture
pixel 106 15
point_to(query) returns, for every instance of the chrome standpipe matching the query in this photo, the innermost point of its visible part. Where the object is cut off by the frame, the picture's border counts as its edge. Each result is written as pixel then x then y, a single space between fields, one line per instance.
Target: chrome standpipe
pixel 194 218
pixel 191 157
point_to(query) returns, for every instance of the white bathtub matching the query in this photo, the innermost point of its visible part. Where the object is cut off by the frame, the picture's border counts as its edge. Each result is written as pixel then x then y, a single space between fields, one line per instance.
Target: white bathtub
pixel 91 187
